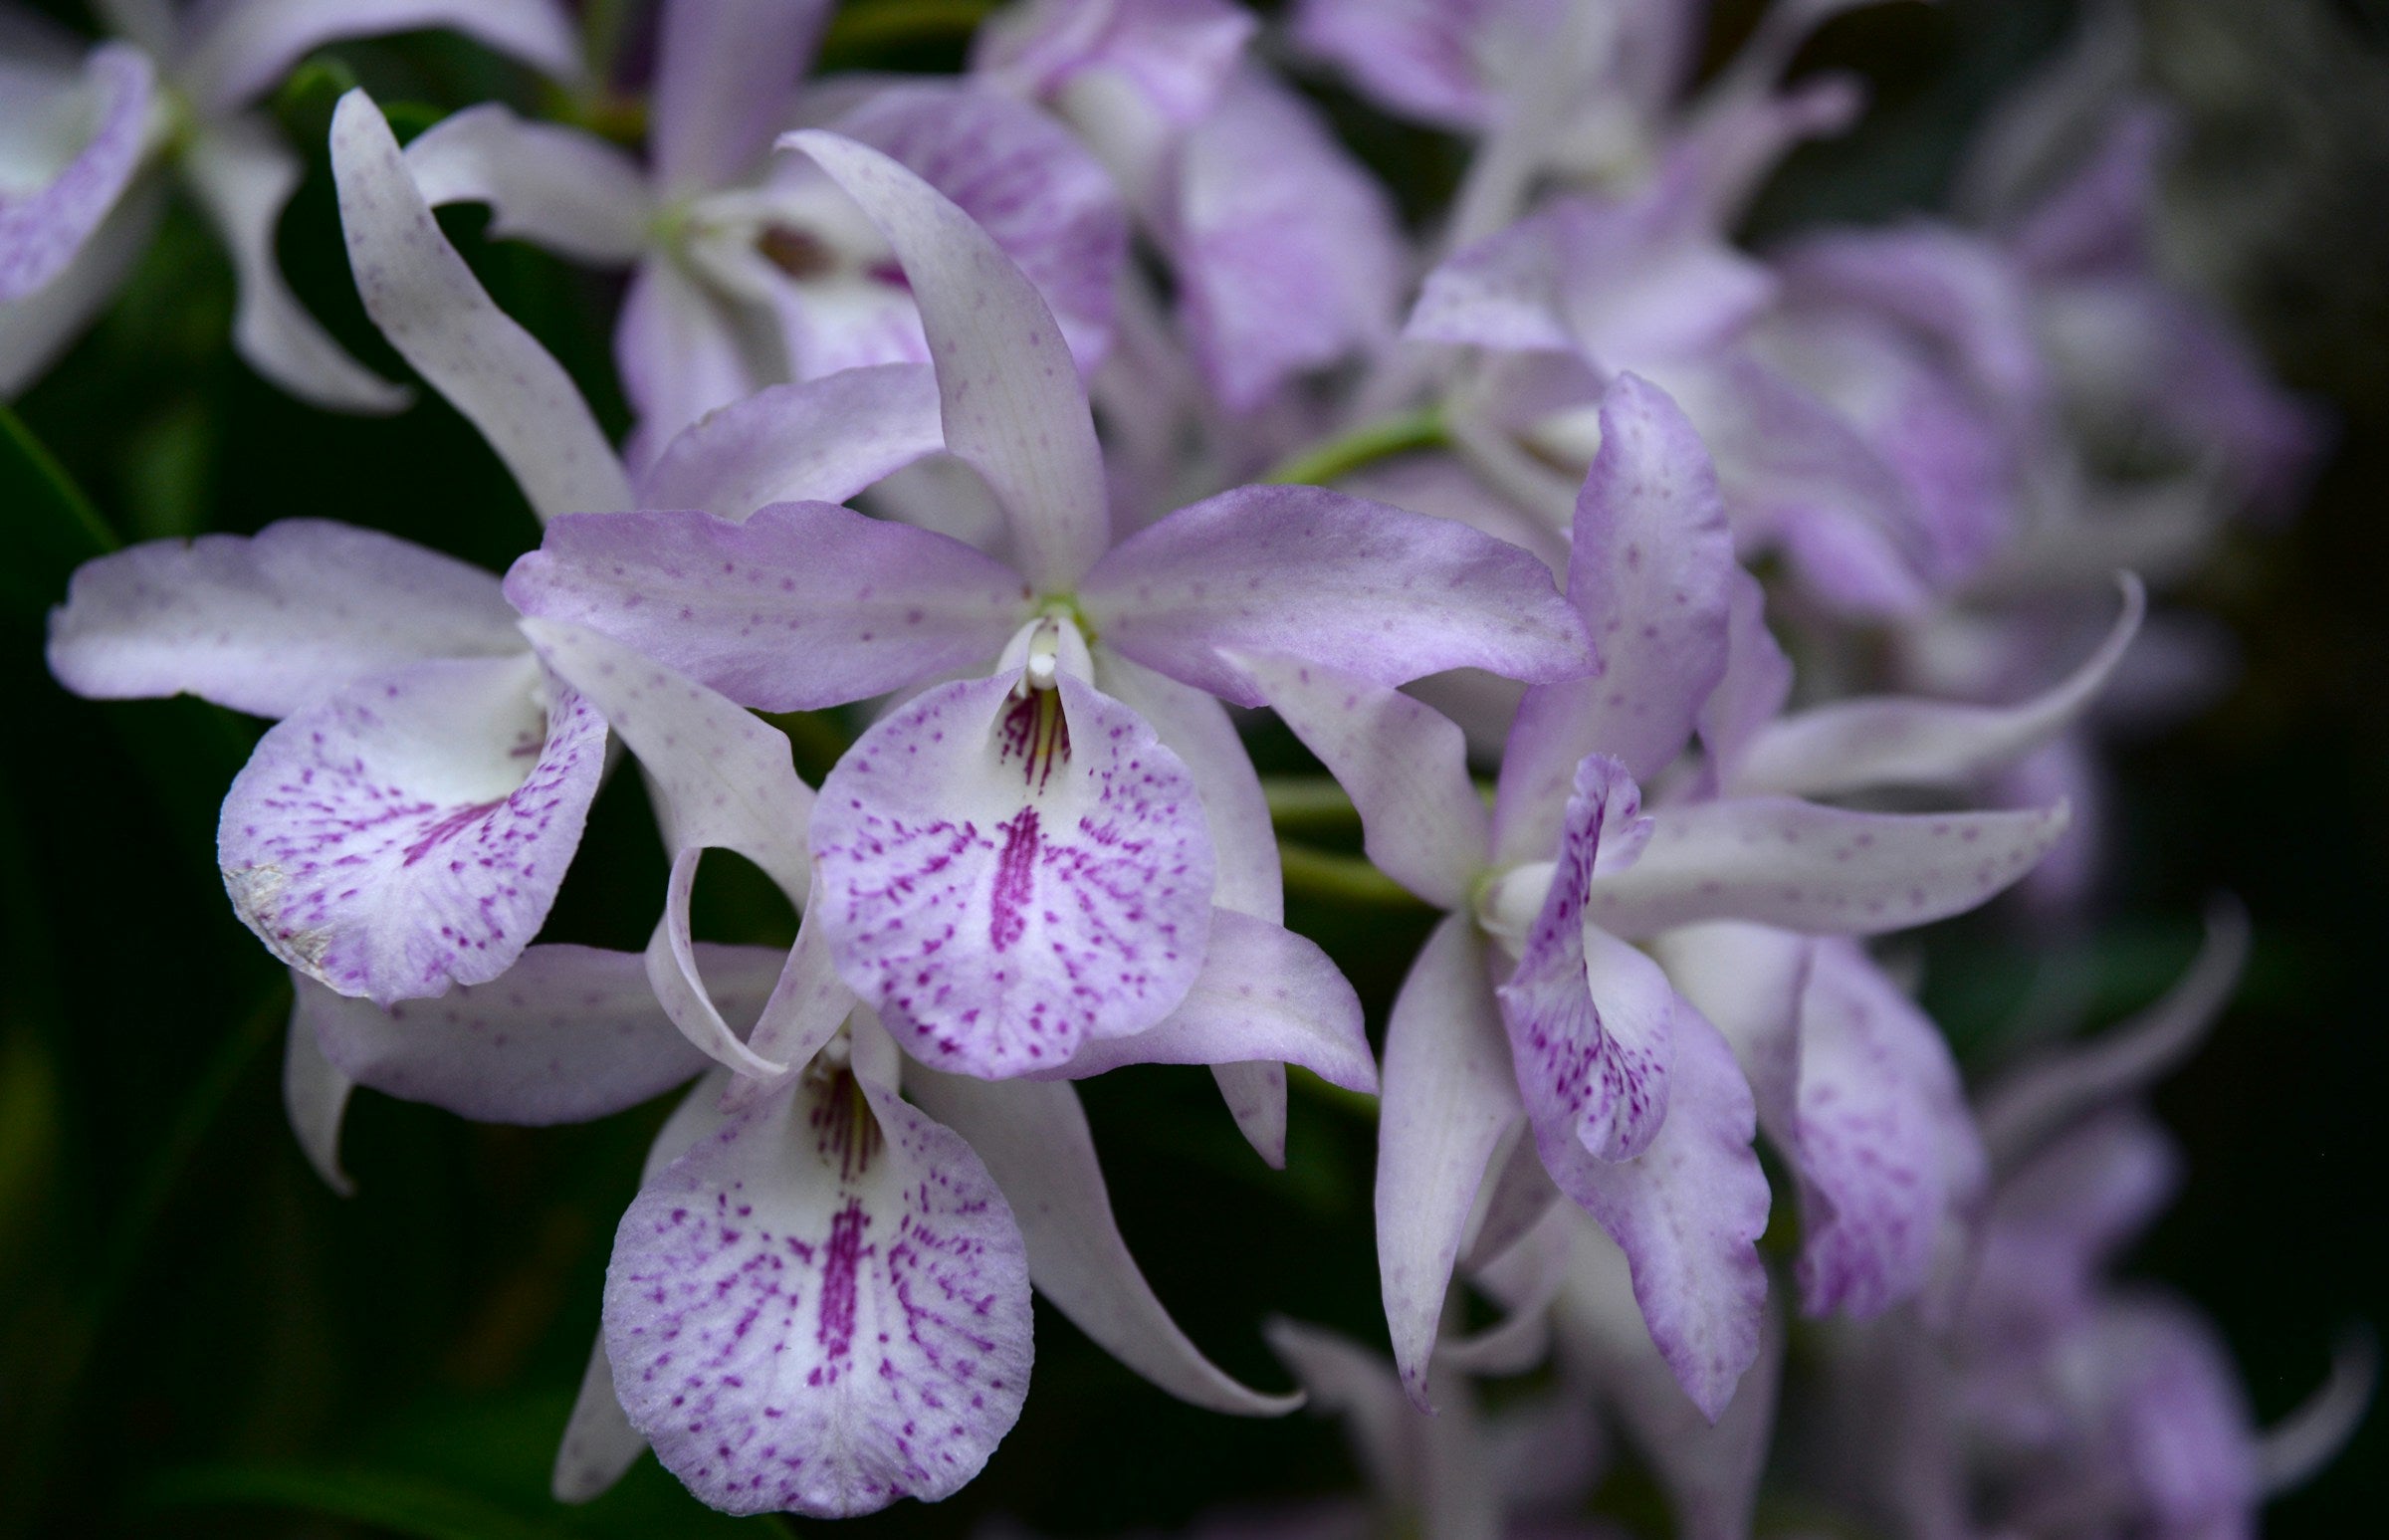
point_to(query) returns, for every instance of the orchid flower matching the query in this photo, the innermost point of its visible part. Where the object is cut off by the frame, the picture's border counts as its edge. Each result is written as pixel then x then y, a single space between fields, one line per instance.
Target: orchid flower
pixel 406 824
pixel 1530 1003
pixel 750 270
pixel 819 1301
pixel 85 148
pixel 1283 252
pixel 1018 869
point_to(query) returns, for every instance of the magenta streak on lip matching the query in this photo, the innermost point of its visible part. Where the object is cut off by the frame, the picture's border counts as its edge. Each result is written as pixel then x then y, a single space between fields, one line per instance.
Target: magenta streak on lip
pixel 839 1266
pixel 448 829
pixel 1015 875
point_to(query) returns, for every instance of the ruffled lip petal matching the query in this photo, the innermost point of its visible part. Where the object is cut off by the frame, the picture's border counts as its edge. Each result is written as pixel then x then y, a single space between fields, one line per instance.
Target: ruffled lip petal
pixel 822 1307
pixel 409 832
pixel 1589 1068
pixel 1005 875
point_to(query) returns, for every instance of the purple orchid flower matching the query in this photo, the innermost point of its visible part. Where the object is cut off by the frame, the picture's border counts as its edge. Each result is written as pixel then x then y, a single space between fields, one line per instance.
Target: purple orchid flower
pixel 1638 1110
pixel 85 145
pixel 1018 869
pixel 406 824
pixel 819 1301
pixel 1284 253
pixel 751 270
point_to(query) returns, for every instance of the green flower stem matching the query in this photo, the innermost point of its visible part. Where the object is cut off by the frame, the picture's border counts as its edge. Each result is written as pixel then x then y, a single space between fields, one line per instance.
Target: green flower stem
pixel 1336 458
pixel 878 24
pixel 1312 802
pixel 1314 873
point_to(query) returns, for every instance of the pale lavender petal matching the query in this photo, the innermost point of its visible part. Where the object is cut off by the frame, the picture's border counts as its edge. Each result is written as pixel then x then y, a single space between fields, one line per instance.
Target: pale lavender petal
pixel 1286 252
pixel 1710 1474
pixel 34 331
pixel 1264 996
pixel 1506 292
pixel 1688 1213
pixel 43 229
pixel 2297 1448
pixel 1009 874
pixel 1887 1154
pixel 1819 871
pixel 804 605
pixel 1013 407
pixel 408 832
pixel 1405 767
pixel 556 187
pixel 1651 573
pixel 1757 682
pixel 598 1445
pixel 820 442
pixel 273 622
pixel 569 1033
pixel 1034 1137
pixel 315 1095
pixel 1416 57
pixel 436 314
pixel 684 353
pixel 719 779
pixel 724 81
pixel 242 175
pixel 1747 126
pixel 1379 592
pixel 1198 729
pixel 1048 204
pixel 2058 1221
pixel 2054 1089
pixel 236 49
pixel 1587 1015
pixel 1450 1100
pixel 1888 741
pixel 821 1307
pixel 1174 57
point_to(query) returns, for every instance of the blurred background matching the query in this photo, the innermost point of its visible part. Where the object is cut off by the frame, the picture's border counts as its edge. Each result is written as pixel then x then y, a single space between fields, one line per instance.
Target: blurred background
pixel 198 1338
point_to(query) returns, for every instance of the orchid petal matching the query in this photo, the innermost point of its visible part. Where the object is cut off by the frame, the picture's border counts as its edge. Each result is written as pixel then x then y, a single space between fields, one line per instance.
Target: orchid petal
pixel 436 314
pixel 1711 1472
pixel 1885 1140
pixel 1255 1094
pixel 1007 876
pixel 1264 996
pixel 1404 765
pixel 34 331
pixel 567 1034
pixel 1175 57
pixel 1688 1213
pixel 2026 1105
pixel 804 605
pixel 1588 1017
pixel 1013 407
pixel 600 1446
pixel 724 81
pixel 1450 1100
pixel 243 175
pixel 1502 293
pixel 1034 1137
pixel 683 351
pixel 1757 681
pixel 270 623
pixel 237 50
pixel 1417 58
pixel 1651 573
pixel 409 831
pixel 1197 728
pixel 719 779
pixel 820 442
pixel 823 1307
pixel 1023 178
pixel 1819 871
pixel 1853 745
pixel 315 1095
pixel 1379 592
pixel 1520 1193
pixel 1286 252
pixel 556 187
pixel 41 232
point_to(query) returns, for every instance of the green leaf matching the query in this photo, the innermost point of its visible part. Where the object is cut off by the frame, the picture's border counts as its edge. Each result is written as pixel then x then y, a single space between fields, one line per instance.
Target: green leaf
pixel 401 1504
pixel 49 527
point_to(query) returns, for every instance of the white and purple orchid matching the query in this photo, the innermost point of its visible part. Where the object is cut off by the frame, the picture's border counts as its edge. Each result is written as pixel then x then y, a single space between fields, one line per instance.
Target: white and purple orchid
pixel 750 268
pixel 87 146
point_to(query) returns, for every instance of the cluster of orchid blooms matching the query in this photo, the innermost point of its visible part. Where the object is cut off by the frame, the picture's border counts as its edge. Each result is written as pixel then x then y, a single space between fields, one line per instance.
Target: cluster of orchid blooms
pixel 1071 328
